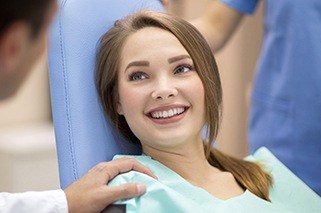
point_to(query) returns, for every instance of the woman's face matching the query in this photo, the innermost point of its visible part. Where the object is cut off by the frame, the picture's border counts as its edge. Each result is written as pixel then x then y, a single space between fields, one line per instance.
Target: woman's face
pixel 160 93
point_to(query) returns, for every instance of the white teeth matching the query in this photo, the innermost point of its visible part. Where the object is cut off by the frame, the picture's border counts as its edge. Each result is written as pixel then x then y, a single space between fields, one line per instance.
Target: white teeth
pixel 175 111
pixel 168 113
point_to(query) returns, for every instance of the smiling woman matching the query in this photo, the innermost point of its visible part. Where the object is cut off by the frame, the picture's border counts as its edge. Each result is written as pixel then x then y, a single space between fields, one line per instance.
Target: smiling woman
pixel 159 85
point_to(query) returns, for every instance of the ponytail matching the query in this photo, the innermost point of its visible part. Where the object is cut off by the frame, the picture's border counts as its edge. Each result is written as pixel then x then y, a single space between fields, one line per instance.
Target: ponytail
pixel 249 175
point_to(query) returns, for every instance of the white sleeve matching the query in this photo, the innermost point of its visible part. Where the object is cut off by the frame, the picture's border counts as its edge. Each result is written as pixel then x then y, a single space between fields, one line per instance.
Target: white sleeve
pixel 54 201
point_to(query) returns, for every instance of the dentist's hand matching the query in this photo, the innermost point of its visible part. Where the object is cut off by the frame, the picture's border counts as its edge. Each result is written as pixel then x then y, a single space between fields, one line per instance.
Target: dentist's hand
pixel 91 194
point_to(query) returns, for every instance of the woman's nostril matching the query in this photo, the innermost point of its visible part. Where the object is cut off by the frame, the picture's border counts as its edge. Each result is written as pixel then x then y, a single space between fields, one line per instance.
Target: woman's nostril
pixel 164 94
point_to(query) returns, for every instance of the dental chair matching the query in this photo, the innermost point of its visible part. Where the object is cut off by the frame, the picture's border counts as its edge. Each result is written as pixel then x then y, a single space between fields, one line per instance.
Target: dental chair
pixel 83 136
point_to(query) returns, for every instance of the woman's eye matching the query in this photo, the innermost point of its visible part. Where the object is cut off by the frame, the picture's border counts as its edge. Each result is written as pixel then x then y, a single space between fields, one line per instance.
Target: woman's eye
pixel 137 76
pixel 183 69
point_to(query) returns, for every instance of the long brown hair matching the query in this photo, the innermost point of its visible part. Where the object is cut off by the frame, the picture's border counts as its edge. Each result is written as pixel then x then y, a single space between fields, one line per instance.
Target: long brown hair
pixel 249 175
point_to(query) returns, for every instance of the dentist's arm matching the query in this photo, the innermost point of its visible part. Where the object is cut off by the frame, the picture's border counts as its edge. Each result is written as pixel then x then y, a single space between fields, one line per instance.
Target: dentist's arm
pixel 89 194
pixel 217 24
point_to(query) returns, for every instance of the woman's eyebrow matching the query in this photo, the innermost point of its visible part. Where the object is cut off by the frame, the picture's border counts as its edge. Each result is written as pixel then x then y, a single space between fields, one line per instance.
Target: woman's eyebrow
pixel 137 64
pixel 177 58
pixel 146 63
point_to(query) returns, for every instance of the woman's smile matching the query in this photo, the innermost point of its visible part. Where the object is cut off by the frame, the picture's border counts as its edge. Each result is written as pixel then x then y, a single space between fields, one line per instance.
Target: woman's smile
pixel 168 114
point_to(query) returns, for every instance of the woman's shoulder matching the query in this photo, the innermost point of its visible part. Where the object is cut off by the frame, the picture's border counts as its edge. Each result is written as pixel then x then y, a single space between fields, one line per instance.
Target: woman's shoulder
pixel 133 176
pixel 287 188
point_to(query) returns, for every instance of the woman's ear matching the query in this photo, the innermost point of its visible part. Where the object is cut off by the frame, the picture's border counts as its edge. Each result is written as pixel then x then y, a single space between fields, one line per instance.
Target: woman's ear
pixel 119 108
pixel 13 44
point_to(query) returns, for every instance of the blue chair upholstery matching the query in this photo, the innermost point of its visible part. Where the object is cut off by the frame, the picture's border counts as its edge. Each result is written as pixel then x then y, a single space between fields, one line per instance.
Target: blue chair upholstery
pixel 83 137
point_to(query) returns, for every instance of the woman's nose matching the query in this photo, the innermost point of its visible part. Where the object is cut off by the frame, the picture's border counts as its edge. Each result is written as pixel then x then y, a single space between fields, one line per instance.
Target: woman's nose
pixel 164 90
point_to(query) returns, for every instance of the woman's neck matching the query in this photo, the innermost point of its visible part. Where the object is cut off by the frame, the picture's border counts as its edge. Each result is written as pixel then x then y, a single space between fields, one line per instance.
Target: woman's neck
pixel 188 161
pixel 191 164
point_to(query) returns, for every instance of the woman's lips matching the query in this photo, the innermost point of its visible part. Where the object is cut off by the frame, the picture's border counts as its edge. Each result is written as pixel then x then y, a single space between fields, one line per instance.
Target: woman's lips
pixel 169 115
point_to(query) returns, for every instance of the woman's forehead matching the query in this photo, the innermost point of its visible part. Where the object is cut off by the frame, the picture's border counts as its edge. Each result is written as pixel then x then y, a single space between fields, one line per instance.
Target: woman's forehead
pixel 151 40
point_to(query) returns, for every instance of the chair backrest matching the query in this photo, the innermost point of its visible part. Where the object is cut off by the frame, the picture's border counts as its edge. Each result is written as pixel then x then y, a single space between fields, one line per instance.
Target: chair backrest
pixel 83 137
